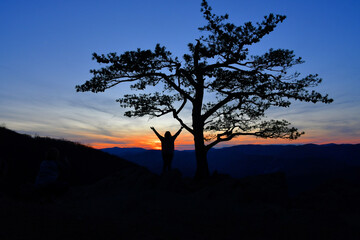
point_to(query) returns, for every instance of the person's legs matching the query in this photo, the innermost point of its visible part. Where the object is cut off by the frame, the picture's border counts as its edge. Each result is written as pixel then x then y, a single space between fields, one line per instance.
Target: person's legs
pixel 167 158
pixel 169 162
pixel 164 166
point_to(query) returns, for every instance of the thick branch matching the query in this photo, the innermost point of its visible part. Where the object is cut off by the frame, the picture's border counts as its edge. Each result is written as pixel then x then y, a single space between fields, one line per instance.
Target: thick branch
pixel 176 116
pixel 268 129
pixel 217 107
pixel 188 76
pixel 176 87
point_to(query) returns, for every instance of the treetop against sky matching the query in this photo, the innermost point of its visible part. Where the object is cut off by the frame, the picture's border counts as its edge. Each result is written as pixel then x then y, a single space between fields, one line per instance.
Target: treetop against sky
pixel 46 49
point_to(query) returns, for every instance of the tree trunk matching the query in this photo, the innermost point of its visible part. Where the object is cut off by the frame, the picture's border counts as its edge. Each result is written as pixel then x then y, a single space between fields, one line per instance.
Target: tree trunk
pixel 202 169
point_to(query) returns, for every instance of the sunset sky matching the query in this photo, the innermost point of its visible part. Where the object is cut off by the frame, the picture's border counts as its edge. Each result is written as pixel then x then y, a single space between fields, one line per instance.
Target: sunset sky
pixel 46 47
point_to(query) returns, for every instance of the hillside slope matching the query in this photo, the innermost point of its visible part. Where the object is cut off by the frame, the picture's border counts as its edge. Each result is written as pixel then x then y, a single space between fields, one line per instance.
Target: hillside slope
pixel 21 155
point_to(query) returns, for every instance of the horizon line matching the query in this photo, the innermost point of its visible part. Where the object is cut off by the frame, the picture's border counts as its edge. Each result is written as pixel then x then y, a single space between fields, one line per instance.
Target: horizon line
pixel 156 145
pixel 235 145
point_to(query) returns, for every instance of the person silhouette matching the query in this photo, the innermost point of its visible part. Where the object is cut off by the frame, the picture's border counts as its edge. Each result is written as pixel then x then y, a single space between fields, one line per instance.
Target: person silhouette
pixel 167 147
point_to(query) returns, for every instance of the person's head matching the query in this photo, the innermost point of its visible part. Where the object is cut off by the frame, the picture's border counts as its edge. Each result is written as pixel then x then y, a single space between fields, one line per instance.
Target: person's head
pixel 167 134
pixel 52 154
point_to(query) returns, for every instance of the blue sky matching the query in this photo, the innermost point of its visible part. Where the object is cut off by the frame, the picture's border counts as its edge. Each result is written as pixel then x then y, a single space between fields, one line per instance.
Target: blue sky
pixel 46 47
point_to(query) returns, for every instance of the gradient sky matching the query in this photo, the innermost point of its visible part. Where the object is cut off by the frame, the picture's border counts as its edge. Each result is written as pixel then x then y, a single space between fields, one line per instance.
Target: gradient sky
pixel 46 47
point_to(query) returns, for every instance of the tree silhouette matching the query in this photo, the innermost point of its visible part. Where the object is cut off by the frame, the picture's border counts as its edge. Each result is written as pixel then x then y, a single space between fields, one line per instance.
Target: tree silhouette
pixel 228 89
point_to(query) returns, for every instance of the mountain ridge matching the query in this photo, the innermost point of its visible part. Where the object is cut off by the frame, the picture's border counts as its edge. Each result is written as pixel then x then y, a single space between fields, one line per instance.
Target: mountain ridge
pixel 300 163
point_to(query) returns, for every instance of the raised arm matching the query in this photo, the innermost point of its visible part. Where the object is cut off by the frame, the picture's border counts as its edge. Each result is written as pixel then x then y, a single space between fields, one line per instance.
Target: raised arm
pixel 178 132
pixel 157 134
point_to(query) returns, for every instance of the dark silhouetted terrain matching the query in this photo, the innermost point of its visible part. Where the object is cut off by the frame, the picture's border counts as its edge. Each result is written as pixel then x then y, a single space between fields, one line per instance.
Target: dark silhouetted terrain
pixel 111 198
pixel 22 155
pixel 305 166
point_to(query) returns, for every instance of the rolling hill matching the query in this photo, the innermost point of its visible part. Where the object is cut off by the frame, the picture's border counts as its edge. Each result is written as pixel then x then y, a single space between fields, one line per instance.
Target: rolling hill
pixel 21 155
pixel 111 198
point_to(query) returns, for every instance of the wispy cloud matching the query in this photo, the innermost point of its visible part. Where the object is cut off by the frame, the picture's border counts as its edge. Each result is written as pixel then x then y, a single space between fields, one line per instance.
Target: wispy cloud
pixel 39 73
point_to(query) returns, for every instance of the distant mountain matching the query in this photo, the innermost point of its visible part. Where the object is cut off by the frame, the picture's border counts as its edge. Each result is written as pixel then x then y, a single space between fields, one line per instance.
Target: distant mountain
pixel 305 165
pixel 151 159
pixel 121 152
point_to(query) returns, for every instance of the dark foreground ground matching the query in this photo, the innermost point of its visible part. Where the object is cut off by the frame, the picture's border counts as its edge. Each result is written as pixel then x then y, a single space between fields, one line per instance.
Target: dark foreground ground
pixel 110 198
pixel 136 204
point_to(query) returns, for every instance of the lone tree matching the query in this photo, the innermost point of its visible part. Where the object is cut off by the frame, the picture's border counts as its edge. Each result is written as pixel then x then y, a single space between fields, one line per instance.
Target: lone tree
pixel 228 89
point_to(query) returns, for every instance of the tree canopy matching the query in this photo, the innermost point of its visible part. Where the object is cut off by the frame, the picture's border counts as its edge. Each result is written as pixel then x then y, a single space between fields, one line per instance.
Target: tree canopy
pixel 242 86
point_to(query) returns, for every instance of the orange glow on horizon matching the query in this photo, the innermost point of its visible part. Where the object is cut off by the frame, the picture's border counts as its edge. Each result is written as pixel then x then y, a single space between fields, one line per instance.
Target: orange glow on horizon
pixel 148 140
pixel 185 141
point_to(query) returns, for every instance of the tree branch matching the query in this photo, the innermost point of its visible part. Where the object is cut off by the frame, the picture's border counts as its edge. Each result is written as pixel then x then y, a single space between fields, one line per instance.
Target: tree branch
pixel 266 129
pixel 217 107
pixel 188 76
